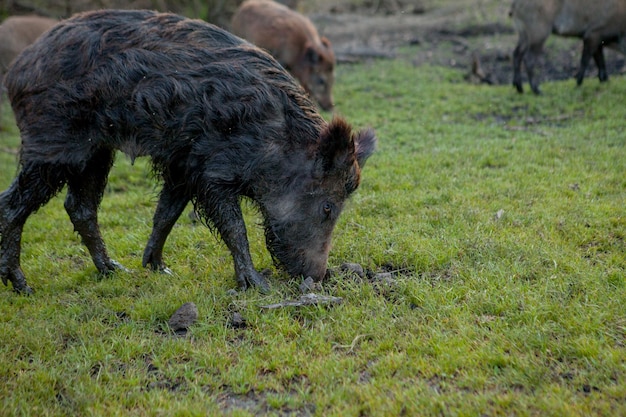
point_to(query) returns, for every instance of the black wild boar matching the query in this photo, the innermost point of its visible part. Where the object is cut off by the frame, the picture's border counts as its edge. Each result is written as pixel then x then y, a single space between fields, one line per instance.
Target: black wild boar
pixel 219 118
pixel 600 23
pixel 294 41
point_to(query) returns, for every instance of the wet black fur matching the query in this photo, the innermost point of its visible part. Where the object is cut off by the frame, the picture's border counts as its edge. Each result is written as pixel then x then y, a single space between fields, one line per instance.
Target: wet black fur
pixel 219 118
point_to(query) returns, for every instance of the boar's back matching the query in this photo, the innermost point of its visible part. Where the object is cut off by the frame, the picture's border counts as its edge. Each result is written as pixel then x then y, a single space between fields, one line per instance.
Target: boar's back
pixel 134 80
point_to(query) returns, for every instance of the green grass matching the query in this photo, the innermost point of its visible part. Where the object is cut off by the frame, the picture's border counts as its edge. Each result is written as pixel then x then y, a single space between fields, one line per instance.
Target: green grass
pixel 504 213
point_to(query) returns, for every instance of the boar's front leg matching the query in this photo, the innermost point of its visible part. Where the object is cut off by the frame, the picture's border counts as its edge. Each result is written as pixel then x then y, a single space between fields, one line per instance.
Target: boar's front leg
pixel 172 202
pixel 225 214
pixel 518 57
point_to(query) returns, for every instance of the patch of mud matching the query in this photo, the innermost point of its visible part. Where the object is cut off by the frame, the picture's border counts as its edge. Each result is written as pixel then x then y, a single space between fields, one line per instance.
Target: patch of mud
pixel 256 403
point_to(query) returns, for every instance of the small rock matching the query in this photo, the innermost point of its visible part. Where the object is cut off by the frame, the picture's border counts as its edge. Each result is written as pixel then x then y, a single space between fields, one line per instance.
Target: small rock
pixel 353 268
pixel 183 318
pixel 308 285
pixel 384 278
pixel 237 321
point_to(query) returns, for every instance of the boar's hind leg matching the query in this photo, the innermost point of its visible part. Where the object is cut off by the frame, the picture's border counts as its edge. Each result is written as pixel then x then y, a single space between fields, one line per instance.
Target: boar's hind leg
pixel 172 202
pixel 530 59
pixel 226 216
pixel 84 195
pixel 591 47
pixel 33 187
pixel 598 57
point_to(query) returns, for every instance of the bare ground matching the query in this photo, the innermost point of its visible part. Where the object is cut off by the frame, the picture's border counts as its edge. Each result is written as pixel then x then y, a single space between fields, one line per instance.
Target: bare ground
pixel 474 36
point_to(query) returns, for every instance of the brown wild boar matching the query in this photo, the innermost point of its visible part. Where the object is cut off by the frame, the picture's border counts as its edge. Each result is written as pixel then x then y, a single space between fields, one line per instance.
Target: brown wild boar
pixel 16 33
pixel 600 24
pixel 293 40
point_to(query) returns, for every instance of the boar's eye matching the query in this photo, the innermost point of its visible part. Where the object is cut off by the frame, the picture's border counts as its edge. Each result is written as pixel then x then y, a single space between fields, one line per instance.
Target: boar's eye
pixel 327 209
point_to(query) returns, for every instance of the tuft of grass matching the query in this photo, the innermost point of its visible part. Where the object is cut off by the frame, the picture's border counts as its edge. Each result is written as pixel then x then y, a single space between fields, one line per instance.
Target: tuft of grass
pixel 500 216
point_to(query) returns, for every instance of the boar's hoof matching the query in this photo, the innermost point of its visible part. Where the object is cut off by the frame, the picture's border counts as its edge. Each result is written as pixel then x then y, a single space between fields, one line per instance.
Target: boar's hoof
pixel 19 282
pixel 111 266
pixel 25 290
pixel 154 262
pixel 255 279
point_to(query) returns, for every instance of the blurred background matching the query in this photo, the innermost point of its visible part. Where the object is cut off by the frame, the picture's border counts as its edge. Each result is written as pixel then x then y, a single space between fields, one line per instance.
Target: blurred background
pixel 474 36
pixel 214 11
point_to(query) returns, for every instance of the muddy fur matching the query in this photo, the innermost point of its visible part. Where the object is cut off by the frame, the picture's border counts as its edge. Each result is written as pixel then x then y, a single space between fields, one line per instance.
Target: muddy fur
pixel 219 118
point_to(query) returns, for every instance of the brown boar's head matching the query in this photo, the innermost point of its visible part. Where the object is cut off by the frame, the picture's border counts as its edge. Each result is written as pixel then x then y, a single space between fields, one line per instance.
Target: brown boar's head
pixel 317 74
pixel 299 219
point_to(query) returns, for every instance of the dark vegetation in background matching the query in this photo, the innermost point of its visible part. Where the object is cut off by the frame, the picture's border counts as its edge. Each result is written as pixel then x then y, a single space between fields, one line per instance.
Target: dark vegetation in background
pixel 214 11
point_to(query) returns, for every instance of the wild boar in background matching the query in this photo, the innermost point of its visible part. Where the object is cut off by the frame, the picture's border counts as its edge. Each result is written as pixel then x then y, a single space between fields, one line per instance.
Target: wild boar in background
pixel 294 41
pixel 16 33
pixel 598 23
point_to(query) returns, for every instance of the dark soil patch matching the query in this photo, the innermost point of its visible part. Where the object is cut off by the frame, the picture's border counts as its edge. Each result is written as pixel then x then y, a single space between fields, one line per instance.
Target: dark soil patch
pixel 256 403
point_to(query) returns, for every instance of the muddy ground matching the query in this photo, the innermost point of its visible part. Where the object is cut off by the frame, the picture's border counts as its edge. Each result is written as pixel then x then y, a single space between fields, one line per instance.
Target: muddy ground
pixel 458 34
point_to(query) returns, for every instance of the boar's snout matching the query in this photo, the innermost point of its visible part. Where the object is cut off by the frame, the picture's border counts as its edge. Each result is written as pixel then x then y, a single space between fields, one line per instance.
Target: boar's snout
pixel 300 246
pixel 319 86
pixel 300 216
pixel 314 263
pixel 326 103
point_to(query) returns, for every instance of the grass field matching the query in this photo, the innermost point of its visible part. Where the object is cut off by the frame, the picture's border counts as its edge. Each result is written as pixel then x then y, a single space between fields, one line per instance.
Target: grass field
pixel 501 216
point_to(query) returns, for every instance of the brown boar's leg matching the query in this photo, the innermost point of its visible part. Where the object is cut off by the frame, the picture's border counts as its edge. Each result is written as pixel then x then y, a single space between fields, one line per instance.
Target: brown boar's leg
pixel 33 188
pixel 84 194
pixel 172 202
pixel 225 214
pixel 518 56
pixel 598 57
pixel 530 59
pixel 591 46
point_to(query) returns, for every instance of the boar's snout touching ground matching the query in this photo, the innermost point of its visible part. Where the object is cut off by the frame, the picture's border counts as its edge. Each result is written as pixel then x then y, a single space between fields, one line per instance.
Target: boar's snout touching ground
pixel 294 41
pixel 300 219
pixel 220 119
pixel 600 24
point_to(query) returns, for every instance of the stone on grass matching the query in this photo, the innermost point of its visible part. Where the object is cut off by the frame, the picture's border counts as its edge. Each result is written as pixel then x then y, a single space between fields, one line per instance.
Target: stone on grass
pixel 353 268
pixel 183 318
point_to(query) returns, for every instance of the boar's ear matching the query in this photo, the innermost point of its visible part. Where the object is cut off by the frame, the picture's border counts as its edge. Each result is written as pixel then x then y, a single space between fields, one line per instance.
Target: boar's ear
pixel 365 144
pixel 337 150
pixel 342 153
pixel 325 42
pixel 310 55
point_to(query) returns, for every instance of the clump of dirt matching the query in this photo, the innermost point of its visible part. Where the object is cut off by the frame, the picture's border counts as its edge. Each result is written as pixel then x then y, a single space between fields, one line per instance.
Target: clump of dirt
pixel 183 318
